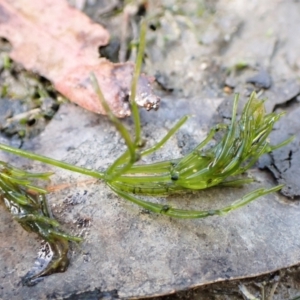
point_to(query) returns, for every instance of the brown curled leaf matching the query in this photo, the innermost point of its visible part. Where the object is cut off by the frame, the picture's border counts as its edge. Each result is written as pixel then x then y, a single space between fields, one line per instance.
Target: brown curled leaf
pixel 53 39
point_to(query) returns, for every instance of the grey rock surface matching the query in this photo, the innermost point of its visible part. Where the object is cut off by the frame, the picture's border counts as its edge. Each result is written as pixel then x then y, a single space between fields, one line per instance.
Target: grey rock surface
pixel 284 163
pixel 129 252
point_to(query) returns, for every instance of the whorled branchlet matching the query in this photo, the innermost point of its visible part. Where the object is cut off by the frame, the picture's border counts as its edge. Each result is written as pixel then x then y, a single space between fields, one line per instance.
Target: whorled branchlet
pixel 244 140
pixel 28 205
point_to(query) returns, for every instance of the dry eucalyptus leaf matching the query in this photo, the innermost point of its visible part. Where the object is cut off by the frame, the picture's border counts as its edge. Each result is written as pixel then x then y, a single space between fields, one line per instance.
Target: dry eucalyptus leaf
pixel 53 39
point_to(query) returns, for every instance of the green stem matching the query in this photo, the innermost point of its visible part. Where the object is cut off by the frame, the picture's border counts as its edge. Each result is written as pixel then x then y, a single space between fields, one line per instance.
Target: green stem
pixel 120 127
pixel 52 162
pixel 137 71
pixel 152 168
pixel 193 214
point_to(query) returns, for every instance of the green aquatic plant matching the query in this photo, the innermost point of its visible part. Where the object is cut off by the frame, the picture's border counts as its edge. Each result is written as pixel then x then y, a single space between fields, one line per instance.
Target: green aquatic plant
pixel 244 140
pixel 28 206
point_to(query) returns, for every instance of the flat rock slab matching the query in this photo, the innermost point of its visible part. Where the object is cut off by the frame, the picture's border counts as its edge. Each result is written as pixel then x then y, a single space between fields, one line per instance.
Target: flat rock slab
pixel 128 252
pixel 284 163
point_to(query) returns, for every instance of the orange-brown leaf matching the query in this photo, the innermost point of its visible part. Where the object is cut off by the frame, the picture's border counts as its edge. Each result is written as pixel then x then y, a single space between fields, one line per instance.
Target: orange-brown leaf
pixel 60 43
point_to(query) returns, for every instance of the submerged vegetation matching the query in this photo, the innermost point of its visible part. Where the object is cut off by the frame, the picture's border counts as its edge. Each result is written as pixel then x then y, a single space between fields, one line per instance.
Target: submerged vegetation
pixel 244 140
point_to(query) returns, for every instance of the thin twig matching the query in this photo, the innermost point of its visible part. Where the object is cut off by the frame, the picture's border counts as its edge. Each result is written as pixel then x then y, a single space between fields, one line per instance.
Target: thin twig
pixel 25 115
